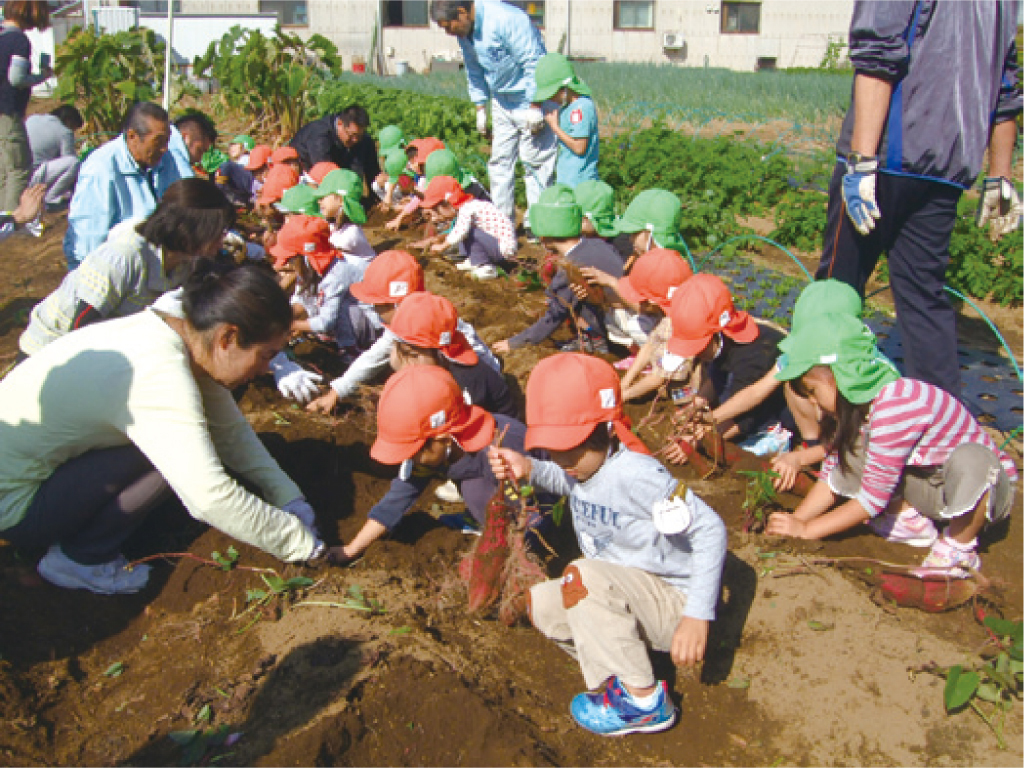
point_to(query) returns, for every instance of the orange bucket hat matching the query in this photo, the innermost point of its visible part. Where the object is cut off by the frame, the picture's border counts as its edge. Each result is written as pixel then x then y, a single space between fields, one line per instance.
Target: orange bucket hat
pixel 391 277
pixel 444 189
pixel 702 307
pixel 427 320
pixel 421 402
pixel 567 396
pixel 424 148
pixel 258 157
pixel 655 277
pixel 321 169
pixel 279 179
pixel 307 236
pixel 282 155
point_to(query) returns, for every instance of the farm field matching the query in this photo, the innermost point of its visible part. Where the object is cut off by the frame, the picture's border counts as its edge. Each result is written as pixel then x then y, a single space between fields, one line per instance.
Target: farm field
pixel 377 664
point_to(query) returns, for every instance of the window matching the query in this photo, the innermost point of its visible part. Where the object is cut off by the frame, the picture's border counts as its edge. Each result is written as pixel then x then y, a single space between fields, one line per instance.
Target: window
pixel 741 18
pixel 289 13
pixel 634 14
pixel 406 13
pixel 534 9
pixel 155 6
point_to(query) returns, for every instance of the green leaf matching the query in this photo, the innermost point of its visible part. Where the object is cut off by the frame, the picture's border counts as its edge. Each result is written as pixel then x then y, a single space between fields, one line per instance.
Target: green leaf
pixel 255 594
pixel 182 738
pixel 988 692
pixel 960 687
pixel 738 682
pixel 400 631
pixel 275 582
pixel 205 714
pixel 115 670
pixel 1005 628
pixel 298 582
pixel 818 626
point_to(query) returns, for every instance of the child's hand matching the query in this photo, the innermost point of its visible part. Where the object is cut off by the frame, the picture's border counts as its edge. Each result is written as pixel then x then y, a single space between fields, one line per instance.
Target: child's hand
pixel 324 404
pixel 581 292
pixel 395 224
pixel 438 247
pixel 595 276
pixel 551 118
pixel 788 467
pixel 785 524
pixel 508 465
pixel 501 347
pixel 678 451
pixel 689 641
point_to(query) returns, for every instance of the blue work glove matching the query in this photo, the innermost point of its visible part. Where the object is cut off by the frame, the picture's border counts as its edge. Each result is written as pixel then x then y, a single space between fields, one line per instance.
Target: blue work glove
pixel 859 193
pixel 1000 207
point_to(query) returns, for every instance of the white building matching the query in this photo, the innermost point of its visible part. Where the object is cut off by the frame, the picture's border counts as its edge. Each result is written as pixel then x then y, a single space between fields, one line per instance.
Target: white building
pixel 736 34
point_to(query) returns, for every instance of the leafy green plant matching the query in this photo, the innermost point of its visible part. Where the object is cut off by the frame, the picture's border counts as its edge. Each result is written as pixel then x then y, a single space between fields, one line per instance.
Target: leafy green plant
pixel 760 499
pixel 270 78
pixel 357 600
pixel 197 745
pixel 258 600
pixel 800 219
pixel 989 687
pixel 226 561
pixel 104 74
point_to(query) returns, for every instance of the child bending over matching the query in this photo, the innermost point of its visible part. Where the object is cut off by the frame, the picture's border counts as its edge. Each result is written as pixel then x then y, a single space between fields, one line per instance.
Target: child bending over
pixel 339 199
pixel 653 551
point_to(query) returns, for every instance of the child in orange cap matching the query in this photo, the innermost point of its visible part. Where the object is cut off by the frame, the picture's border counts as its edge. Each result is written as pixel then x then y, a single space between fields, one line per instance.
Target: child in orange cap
pixel 416 154
pixel 320 301
pixel 653 551
pixel 318 172
pixel 484 235
pixel 278 179
pixel 425 425
pixel 286 156
pixel 390 278
pixel 648 290
pixel 736 352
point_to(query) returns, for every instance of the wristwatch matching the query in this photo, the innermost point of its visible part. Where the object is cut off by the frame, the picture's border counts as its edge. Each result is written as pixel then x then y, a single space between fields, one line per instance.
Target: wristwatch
pixel 861 163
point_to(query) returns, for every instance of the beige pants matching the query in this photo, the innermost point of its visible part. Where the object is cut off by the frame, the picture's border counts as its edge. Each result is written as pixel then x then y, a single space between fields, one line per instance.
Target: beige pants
pixel 606 615
pixel 15 161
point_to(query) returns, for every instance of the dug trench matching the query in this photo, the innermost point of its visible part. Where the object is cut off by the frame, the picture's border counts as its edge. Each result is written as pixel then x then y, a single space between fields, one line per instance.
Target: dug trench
pixel 379 664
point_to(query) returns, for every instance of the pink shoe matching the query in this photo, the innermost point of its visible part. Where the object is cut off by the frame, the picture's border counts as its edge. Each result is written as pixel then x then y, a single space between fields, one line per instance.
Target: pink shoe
pixel 948 558
pixel 625 363
pixel 907 527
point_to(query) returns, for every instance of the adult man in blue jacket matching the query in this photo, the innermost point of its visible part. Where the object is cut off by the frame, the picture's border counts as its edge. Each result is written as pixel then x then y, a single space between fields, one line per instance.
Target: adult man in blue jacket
pixel 936 83
pixel 500 48
pixel 123 179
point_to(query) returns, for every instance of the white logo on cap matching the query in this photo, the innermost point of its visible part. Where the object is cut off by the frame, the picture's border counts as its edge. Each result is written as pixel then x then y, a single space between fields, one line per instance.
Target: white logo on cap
pixel 398 288
pixel 437 420
pixel 446 338
pixel 466 397
pixel 829 359
pixel 309 247
pixel 723 319
pixel 671 291
pixel 607 398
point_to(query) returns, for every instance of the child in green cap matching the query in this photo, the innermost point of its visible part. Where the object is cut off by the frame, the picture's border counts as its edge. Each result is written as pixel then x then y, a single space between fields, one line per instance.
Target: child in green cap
pixel 401 180
pixel 239 149
pixel 894 444
pixel 653 220
pixel 557 219
pixel 574 122
pixel 339 199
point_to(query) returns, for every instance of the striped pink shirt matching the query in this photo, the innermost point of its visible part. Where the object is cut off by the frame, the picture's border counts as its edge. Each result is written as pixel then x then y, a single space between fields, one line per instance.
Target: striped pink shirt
pixel 912 423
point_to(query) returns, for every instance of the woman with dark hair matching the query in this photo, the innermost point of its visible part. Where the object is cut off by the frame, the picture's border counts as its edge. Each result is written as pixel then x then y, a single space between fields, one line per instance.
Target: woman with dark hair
pixel 99 426
pixel 139 261
pixel 16 81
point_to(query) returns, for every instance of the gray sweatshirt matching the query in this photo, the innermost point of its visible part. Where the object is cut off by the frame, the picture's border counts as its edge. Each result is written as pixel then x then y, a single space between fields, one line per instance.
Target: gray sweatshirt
pixel 955 68
pixel 612 515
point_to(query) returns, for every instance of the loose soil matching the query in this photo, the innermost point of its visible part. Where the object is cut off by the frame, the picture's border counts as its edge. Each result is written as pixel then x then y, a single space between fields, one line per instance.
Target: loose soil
pixel 802 669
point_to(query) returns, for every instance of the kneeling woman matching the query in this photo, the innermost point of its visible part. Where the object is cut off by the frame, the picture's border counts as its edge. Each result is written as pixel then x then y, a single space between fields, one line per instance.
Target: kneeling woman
pixel 897 445
pixel 97 426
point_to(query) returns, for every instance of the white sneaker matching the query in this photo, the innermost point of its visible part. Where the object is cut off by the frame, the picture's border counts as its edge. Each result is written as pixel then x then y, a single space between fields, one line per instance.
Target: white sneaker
pixel 464 266
pixel 449 492
pixel 907 527
pixel 104 579
pixel 484 272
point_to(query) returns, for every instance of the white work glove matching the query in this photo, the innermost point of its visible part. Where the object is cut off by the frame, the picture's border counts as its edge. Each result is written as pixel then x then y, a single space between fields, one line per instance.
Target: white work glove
pixel 534 119
pixel 481 119
pixel 300 509
pixel 859 194
pixel 1000 207
pixel 293 381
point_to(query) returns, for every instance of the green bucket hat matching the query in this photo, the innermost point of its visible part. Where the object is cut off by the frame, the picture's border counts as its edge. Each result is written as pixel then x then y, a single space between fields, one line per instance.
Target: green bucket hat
pixel 847 346
pixel 212 159
pixel 245 140
pixel 349 185
pixel 556 213
pixel 299 199
pixel 657 210
pixel 820 298
pixel 554 72
pixel 442 162
pixel 390 137
pixel 597 200
pixel 395 163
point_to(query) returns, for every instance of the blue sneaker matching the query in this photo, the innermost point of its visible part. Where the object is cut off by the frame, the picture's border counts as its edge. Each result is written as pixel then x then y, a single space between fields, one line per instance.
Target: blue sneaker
pixel 612 713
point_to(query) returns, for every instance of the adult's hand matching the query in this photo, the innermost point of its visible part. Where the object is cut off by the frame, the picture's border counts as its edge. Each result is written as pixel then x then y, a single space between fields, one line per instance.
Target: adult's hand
pixel 1000 207
pixel 859 194
pixel 534 119
pixel 481 119
pixel 30 205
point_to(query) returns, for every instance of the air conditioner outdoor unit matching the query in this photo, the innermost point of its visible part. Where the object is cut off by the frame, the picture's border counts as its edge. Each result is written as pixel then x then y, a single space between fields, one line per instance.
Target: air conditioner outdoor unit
pixel 672 41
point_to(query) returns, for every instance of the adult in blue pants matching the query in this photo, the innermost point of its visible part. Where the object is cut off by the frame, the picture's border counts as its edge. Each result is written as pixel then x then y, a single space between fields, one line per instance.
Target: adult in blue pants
pixel 936 84
pixel 500 48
